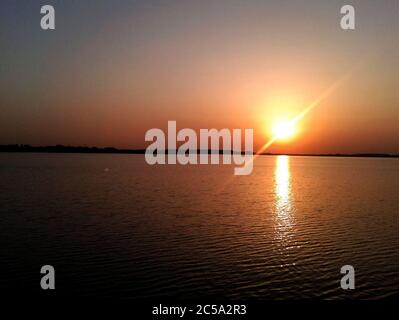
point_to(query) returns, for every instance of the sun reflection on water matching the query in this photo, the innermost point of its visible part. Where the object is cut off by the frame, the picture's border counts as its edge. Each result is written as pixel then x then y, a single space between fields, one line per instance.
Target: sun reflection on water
pixel 283 202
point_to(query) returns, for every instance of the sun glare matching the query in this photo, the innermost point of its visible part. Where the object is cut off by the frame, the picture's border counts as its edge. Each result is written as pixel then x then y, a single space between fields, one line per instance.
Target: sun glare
pixel 284 130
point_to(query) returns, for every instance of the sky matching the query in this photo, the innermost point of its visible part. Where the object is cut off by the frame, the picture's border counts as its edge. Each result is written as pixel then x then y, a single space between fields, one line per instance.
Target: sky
pixel 114 69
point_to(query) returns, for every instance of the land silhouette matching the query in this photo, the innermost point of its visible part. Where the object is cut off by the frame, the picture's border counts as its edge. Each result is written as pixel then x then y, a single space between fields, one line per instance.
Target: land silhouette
pixel 85 149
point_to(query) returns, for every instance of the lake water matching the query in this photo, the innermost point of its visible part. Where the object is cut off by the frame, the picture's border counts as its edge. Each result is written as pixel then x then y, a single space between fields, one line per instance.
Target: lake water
pixel 112 225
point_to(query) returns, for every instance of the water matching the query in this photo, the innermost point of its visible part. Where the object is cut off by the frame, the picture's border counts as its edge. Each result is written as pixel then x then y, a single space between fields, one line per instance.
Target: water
pixel 113 226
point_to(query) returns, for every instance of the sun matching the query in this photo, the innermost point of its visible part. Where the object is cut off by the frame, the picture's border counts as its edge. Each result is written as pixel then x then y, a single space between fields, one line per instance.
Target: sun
pixel 284 130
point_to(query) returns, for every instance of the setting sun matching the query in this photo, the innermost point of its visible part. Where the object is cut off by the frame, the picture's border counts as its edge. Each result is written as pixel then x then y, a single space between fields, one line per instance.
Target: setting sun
pixel 284 130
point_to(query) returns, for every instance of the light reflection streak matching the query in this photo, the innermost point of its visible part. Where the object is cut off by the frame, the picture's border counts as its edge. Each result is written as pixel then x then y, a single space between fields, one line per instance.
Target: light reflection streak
pixel 283 202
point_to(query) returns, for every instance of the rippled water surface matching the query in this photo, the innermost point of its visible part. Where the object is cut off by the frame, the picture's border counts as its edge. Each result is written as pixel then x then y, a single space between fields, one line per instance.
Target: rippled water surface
pixel 113 226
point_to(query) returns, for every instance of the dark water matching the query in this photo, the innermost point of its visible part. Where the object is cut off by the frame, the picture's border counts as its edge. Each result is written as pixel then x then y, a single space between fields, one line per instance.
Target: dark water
pixel 113 226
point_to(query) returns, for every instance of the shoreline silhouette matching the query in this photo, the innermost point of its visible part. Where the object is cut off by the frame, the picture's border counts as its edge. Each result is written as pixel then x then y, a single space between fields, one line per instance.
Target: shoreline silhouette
pixel 25 148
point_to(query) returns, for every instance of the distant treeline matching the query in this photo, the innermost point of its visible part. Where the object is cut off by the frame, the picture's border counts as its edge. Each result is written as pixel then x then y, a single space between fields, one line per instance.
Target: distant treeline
pixel 82 149
pixel 360 155
pixel 65 149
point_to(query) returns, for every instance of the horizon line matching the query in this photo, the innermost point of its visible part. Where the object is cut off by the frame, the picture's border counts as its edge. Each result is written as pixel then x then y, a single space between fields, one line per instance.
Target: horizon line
pixel 59 148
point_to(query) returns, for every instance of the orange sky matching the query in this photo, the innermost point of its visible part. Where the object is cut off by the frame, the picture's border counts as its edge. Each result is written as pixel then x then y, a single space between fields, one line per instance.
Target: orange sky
pixel 110 72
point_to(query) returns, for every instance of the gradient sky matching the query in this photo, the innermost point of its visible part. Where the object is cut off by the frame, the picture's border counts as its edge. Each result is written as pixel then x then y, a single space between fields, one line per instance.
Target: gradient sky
pixel 113 69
